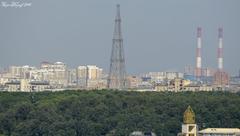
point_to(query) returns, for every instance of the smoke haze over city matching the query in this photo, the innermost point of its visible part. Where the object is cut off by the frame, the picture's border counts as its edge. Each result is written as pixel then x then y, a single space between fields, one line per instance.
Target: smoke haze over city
pixel 158 35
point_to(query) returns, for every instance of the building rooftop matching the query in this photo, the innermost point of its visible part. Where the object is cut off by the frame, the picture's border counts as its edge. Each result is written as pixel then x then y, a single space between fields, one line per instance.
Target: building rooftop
pixel 59 63
pixel 13 83
pixel 39 83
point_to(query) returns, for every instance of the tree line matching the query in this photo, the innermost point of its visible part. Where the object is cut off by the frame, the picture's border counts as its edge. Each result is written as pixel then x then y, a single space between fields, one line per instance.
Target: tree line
pixel 112 113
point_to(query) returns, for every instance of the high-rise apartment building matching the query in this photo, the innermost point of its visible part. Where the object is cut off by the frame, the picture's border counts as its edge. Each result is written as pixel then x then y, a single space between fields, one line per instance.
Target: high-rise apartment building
pixel 22 72
pixel 88 76
pixel 56 73
pixel 81 75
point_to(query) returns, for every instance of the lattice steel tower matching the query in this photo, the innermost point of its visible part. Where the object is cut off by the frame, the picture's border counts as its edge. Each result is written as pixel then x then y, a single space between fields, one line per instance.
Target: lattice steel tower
pixel 117 73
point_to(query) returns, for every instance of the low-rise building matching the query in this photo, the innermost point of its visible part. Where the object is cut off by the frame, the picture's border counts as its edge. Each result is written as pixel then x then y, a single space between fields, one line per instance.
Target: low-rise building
pixel 221 79
pixel 178 84
pixel 133 82
pixel 193 87
pixel 206 88
pixel 220 132
pixel 26 86
pixel 13 86
pixel 140 133
pixel 161 87
pixel 37 86
pixel 162 76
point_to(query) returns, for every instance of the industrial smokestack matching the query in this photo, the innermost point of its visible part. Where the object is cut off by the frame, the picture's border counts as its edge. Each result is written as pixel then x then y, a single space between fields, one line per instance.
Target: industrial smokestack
pixel 239 73
pixel 220 49
pixel 198 72
pixel 221 78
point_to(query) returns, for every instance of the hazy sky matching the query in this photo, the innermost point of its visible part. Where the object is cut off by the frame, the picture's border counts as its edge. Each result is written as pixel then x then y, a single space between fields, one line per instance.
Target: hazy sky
pixel 159 35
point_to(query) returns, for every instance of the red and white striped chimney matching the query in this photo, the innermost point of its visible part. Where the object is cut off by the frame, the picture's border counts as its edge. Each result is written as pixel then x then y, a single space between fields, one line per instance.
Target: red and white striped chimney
pixel 220 49
pixel 198 56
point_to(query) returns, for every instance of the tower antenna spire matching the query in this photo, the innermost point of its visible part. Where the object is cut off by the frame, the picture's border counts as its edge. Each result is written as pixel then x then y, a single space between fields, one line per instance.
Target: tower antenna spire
pixel 117 73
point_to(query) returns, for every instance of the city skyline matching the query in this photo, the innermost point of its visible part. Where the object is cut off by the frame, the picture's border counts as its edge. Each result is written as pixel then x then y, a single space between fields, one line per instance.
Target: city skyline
pixel 150 35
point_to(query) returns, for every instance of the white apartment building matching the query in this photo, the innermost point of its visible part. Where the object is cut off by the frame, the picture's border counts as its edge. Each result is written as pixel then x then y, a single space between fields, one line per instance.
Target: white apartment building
pixel 72 77
pixel 81 74
pixel 55 73
pixel 20 72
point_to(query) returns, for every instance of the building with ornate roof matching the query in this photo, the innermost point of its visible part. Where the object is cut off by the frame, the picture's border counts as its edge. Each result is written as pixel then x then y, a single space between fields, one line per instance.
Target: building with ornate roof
pixel 190 128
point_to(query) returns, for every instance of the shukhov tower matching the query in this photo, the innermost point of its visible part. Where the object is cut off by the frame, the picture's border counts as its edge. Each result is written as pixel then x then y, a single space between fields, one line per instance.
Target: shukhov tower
pixel 117 73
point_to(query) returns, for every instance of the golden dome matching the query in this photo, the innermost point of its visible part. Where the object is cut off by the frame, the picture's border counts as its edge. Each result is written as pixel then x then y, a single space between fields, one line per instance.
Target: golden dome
pixel 189 116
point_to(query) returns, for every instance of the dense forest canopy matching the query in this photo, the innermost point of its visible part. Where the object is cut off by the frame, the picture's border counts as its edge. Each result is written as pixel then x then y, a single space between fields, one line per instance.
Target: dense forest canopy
pixel 112 113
